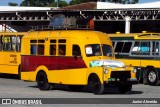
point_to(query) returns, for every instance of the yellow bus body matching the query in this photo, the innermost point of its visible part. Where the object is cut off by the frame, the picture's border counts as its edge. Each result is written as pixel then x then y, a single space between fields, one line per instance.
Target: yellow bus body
pixel 73 37
pixel 10 59
pixel 146 61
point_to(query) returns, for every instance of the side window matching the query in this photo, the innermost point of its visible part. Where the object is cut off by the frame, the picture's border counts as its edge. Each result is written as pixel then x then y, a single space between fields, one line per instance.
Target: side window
pixel 107 50
pixel 155 48
pixel 141 48
pixel 119 46
pixel 37 47
pixel 11 43
pixel 62 47
pixel 18 42
pixel 145 47
pixel 127 47
pixel 8 43
pixel 40 50
pixel 76 50
pixel 53 47
pixel 136 47
pixel 33 47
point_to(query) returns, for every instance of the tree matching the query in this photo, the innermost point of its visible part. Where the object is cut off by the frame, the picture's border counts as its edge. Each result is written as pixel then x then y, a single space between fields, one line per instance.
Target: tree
pixel 12 4
pixel 36 3
pixel 72 2
pixel 44 3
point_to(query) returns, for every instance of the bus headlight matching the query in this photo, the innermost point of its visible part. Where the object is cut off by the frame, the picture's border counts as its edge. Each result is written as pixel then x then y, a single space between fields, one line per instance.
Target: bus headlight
pixel 105 71
pixel 134 70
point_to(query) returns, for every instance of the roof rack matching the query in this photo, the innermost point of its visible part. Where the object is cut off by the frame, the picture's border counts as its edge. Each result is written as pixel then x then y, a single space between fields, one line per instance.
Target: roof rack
pixel 60 22
pixel 64 27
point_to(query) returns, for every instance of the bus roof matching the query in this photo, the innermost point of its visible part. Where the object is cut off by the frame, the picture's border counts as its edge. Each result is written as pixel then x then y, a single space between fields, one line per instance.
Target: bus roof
pixel 13 33
pixel 136 36
pixel 82 35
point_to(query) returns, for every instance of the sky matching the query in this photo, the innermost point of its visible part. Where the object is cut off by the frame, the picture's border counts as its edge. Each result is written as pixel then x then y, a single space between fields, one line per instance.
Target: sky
pixel 5 2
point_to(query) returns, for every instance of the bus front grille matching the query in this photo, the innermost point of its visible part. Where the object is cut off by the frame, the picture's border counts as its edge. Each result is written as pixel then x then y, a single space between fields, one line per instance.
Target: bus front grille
pixel 121 75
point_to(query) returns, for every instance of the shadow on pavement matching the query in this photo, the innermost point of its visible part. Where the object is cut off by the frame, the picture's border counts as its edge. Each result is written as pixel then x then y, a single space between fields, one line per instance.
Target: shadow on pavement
pixel 108 90
pixel 9 76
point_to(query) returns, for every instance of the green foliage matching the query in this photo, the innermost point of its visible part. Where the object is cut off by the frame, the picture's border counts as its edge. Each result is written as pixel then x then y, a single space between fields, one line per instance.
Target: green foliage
pixel 37 3
pixel 72 2
pixel 62 3
pixel 12 4
pixel 44 3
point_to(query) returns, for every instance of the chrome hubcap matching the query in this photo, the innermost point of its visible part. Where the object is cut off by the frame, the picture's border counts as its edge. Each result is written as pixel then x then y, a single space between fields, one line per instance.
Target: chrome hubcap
pixel 152 76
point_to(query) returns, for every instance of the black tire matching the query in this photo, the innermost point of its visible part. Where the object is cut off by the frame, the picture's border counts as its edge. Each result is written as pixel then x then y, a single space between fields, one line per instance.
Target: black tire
pixel 152 77
pixel 75 87
pixel 95 85
pixel 145 81
pixel 123 89
pixel 42 81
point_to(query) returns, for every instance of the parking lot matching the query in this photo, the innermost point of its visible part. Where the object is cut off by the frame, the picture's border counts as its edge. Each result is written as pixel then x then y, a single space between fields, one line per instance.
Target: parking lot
pixel 14 88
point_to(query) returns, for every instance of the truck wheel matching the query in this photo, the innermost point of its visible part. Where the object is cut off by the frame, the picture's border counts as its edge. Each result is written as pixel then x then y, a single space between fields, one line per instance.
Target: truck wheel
pixel 152 77
pixel 95 85
pixel 42 81
pixel 75 87
pixel 124 88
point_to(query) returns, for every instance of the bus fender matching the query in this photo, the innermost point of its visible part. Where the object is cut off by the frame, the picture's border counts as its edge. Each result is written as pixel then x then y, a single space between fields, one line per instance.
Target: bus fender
pixel 41 68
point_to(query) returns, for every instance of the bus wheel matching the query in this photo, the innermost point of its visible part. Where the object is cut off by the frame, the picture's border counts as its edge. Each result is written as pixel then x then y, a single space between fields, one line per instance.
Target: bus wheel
pixel 152 77
pixel 42 81
pixel 124 88
pixel 95 85
pixel 75 87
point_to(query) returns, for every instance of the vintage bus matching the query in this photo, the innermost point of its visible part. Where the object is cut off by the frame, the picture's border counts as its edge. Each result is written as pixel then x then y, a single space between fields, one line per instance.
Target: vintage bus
pixel 141 51
pixel 75 58
pixel 10 50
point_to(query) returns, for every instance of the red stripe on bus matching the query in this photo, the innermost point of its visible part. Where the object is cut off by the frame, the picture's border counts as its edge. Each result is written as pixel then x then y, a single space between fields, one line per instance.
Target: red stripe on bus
pixel 31 63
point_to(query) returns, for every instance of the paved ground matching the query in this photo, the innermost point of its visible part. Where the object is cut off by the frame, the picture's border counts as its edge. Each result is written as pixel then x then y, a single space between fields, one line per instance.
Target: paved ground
pixel 14 88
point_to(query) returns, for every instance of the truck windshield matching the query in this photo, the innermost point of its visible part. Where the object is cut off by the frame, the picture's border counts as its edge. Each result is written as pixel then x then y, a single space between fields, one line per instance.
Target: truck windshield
pixel 98 50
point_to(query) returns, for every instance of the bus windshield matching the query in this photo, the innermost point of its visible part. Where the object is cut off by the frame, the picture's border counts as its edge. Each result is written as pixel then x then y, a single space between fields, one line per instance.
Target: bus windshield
pixel 98 50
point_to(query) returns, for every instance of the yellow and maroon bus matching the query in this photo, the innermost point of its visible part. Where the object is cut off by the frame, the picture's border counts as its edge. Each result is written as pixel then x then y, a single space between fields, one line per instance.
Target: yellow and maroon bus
pixel 75 58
